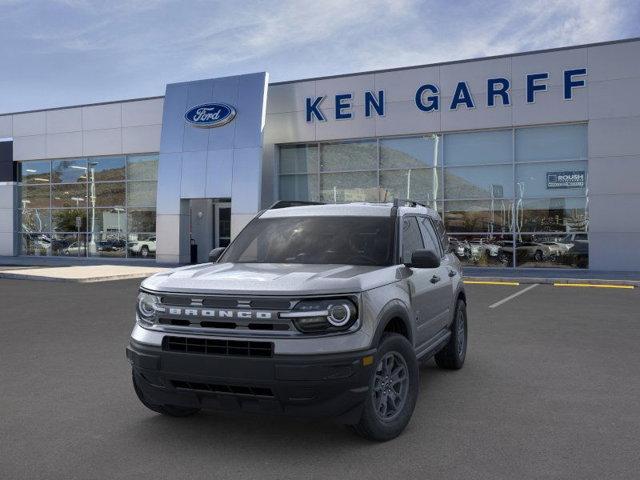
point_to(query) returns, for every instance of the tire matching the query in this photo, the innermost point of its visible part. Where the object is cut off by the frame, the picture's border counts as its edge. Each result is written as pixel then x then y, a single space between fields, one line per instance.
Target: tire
pixel 169 410
pixel 452 356
pixel 538 256
pixel 382 426
pixel 144 251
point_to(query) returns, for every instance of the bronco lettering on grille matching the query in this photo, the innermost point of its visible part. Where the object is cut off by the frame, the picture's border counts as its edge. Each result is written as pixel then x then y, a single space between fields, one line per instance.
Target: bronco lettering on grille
pixel 219 313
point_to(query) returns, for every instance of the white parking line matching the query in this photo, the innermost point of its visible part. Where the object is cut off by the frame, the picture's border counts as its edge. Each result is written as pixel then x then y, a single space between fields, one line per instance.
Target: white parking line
pixel 511 297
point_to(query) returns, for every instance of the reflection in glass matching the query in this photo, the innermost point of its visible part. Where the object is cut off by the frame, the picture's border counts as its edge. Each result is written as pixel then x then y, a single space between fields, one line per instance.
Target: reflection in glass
pixel 299 187
pixel 298 159
pixel 108 223
pixel 552 215
pixel 142 167
pixel 532 179
pixel 69 171
pixel 65 220
pixel 142 245
pixel 552 250
pixel 412 152
pixel 477 148
pixel 109 194
pixel 69 245
pixel 69 195
pixel 35 196
pixel 347 156
pixel 35 172
pixel 36 244
pixel 483 250
pixel 35 220
pixel 141 194
pixel 93 190
pixel 478 182
pixel 558 142
pixel 420 185
pixel 105 245
pixel 142 220
pixel 349 187
pixel 479 216
pixel 107 168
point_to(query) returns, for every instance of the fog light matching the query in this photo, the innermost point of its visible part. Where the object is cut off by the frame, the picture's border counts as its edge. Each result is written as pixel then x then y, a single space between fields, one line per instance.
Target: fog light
pixel 368 360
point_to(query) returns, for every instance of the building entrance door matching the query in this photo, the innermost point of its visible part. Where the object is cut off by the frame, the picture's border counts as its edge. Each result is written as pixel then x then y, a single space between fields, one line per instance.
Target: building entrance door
pixel 222 224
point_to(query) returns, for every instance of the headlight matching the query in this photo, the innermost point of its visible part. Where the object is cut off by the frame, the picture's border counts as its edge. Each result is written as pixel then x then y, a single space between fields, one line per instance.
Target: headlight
pixel 325 315
pixel 147 307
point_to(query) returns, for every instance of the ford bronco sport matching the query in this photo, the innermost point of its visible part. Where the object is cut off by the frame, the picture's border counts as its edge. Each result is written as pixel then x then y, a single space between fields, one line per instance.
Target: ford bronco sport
pixel 313 309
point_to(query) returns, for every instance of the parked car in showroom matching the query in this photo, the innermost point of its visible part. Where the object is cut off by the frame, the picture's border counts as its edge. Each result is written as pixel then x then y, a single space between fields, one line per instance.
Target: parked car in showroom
pixel 312 310
pixel 481 246
pixel 143 248
pixel 525 251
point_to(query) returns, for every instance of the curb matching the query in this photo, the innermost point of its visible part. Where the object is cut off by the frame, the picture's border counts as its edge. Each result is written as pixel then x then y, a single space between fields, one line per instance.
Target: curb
pixel 18 276
pixel 551 281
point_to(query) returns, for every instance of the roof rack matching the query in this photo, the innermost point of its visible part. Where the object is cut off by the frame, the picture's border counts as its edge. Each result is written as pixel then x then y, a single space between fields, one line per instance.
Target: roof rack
pixel 292 203
pixel 402 202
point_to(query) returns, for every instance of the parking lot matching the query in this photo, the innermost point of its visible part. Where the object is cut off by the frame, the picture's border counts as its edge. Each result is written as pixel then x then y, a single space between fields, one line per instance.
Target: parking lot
pixel 550 389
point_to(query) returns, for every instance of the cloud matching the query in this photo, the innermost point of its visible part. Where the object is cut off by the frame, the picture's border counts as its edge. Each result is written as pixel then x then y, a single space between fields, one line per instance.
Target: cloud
pixel 79 51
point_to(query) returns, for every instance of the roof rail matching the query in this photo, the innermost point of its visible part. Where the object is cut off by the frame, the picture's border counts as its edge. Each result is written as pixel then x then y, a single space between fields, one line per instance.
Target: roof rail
pixel 292 203
pixel 402 202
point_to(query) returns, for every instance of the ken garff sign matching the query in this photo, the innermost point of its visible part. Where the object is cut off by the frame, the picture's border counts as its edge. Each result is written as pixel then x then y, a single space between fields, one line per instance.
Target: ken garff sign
pixel 210 115
pixel 568 179
pixel 427 96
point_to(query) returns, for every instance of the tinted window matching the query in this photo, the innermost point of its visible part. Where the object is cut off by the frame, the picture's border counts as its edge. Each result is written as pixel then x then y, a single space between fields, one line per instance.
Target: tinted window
pixel 411 238
pixel 315 240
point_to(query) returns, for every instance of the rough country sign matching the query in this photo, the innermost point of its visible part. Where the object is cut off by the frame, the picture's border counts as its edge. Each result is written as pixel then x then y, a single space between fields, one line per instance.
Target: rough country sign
pixel 570 179
pixel 427 96
pixel 210 115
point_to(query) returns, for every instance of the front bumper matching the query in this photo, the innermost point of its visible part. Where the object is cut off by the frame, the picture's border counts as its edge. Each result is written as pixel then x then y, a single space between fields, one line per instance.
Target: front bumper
pixel 334 385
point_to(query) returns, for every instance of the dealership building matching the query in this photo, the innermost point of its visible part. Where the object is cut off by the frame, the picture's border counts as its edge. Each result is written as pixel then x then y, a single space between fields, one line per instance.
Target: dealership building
pixel 532 159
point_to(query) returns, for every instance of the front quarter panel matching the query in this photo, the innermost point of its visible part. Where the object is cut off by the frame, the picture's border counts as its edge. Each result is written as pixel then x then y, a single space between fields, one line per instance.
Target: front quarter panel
pixel 384 303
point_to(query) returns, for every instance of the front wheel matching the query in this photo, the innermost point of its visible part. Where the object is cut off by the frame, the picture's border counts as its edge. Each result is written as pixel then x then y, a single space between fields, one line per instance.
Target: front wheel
pixel 393 390
pixel 452 356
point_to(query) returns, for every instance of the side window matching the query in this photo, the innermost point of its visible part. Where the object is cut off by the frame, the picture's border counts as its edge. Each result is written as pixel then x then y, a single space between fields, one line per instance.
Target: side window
pixel 411 238
pixel 430 239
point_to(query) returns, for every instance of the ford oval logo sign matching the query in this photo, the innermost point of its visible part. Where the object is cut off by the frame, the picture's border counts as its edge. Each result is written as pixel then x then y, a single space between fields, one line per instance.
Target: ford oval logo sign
pixel 210 115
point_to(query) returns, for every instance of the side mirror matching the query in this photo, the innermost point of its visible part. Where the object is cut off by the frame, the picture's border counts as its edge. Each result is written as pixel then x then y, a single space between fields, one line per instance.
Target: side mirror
pixel 214 254
pixel 424 259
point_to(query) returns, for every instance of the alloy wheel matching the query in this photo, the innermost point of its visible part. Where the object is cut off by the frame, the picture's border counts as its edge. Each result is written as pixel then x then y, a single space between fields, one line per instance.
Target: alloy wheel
pixel 391 386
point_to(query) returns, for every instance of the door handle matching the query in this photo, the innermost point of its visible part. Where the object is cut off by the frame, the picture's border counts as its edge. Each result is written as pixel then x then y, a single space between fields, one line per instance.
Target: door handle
pixel 452 273
pixel 435 279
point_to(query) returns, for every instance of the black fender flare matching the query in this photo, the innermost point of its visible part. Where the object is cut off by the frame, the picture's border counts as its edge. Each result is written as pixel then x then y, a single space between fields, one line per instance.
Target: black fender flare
pixel 393 309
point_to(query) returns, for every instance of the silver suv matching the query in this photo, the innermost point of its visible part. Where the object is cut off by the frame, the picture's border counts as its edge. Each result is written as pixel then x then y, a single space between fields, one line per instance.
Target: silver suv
pixel 314 309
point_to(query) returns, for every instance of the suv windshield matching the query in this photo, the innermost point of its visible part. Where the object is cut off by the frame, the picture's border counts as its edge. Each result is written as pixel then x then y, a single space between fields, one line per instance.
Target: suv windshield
pixel 317 240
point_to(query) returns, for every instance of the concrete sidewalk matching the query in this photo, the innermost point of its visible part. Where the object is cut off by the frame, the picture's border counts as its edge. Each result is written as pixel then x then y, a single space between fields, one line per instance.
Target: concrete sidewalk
pixel 79 273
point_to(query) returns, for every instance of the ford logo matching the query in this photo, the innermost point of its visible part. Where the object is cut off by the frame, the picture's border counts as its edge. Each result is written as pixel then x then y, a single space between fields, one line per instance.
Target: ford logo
pixel 210 115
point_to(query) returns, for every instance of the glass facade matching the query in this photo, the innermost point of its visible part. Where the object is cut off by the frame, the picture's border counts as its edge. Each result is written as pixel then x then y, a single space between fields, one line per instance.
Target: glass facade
pixel 95 206
pixel 512 197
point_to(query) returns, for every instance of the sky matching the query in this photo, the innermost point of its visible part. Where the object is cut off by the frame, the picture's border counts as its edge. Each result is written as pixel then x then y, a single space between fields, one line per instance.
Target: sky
pixel 69 52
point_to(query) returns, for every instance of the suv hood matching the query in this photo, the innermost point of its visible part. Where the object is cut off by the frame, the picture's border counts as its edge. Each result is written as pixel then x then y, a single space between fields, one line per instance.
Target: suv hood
pixel 271 279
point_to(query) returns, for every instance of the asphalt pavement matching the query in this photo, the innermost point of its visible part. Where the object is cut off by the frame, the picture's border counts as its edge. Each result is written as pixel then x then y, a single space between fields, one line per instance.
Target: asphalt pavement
pixel 550 389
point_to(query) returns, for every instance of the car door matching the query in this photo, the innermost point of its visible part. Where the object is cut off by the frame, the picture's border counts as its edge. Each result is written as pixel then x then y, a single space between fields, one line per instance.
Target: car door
pixel 421 282
pixel 443 288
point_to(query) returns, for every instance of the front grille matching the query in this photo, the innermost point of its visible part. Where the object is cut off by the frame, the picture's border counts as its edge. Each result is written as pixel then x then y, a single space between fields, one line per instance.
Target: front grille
pixel 228 389
pixel 279 325
pixel 226 302
pixel 208 346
